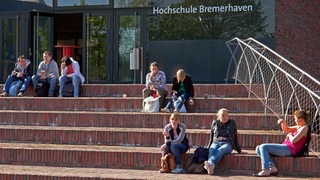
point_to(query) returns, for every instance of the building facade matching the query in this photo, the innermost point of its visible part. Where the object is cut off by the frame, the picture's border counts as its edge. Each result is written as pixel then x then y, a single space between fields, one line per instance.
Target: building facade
pixel 115 40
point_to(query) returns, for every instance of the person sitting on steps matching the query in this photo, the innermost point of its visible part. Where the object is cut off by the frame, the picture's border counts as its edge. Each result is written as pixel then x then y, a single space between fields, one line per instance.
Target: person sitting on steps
pixel 293 143
pixel 223 139
pixel 156 84
pixel 49 68
pixel 182 90
pixel 176 140
pixel 22 72
pixel 70 72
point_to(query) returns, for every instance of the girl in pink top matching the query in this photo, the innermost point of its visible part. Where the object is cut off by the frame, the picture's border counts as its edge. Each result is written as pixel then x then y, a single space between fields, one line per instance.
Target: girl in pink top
pixel 293 143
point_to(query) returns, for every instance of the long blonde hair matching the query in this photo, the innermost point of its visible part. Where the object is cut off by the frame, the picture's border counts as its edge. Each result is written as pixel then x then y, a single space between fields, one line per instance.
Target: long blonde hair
pixel 220 111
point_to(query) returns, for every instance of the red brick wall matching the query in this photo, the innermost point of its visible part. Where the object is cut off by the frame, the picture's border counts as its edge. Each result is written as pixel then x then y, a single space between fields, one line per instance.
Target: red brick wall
pixel 297 33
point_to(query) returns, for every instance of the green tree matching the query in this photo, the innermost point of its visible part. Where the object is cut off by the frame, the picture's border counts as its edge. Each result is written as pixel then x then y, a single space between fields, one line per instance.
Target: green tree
pixel 211 25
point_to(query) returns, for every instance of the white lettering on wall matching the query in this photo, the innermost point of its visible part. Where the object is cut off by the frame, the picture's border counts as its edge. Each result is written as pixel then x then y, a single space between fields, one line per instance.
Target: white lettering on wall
pixel 202 9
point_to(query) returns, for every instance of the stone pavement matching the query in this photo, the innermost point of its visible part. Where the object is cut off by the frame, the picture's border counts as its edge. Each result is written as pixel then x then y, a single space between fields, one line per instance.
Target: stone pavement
pixel 101 173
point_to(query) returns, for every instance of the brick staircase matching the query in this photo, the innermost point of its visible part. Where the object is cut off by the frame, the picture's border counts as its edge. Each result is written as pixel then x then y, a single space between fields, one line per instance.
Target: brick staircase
pixel 104 135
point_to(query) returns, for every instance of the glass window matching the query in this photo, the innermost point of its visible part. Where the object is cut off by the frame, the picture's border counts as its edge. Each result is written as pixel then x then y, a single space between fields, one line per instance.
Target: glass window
pixel 48 2
pixel 82 2
pixel 202 19
pixel 130 3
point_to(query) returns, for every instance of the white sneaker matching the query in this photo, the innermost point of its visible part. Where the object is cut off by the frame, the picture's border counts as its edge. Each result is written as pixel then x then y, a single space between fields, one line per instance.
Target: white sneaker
pixel 177 170
pixel 209 167
pixel 165 110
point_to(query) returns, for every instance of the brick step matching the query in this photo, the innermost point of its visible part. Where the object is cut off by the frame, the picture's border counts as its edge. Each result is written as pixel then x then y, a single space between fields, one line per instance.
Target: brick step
pixel 252 121
pixel 19 172
pixel 138 158
pixel 119 104
pixel 135 90
pixel 122 136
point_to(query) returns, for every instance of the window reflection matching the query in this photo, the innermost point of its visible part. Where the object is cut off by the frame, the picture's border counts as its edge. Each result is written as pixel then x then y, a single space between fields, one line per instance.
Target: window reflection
pixel 130 3
pixel 82 2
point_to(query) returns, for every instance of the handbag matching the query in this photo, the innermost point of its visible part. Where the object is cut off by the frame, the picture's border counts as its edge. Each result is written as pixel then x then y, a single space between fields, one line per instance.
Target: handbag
pixel 151 104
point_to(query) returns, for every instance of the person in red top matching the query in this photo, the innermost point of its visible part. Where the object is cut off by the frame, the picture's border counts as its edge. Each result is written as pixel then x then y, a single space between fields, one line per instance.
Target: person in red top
pixel 70 72
pixel 293 143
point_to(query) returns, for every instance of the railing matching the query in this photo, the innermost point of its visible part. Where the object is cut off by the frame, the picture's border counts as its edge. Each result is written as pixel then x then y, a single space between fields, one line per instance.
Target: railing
pixel 280 85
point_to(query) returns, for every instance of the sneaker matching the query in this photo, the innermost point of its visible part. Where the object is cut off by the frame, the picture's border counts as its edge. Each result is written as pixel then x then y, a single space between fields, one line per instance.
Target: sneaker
pixel 177 170
pixel 263 173
pixel 209 167
pixel 165 110
pixel 4 94
pixel 20 94
pixel 273 171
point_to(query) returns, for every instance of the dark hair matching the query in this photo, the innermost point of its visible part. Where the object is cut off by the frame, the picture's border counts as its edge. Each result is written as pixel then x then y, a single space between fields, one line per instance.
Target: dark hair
pixel 66 60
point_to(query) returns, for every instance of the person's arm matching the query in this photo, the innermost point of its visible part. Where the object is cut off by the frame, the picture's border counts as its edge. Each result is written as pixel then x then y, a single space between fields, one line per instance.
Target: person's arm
pixel 286 128
pixel 297 137
pixel 54 70
pixel 29 71
pixel 162 80
pixel 211 133
pixel 236 142
pixel 76 69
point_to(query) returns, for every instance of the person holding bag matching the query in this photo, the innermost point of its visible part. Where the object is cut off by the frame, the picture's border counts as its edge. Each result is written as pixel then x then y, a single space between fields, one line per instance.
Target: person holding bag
pixel 176 141
pixel 155 86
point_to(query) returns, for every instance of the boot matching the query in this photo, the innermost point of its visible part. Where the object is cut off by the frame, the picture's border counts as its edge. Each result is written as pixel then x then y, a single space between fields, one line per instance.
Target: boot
pixel 178 169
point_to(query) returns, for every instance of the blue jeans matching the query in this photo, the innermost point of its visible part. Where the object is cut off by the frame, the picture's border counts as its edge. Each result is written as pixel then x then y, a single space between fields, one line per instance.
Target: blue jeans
pixel 76 82
pixel 180 98
pixel 176 150
pixel 11 79
pixel 53 81
pixel 217 150
pixel 267 149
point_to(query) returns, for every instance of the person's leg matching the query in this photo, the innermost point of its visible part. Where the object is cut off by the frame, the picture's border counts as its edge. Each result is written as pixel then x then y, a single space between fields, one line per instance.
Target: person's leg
pixel 35 81
pixel 265 150
pixel 62 82
pixel 180 101
pixel 76 82
pixel 8 83
pixel 27 80
pixel 163 93
pixel 218 150
pixel 176 150
pixel 53 83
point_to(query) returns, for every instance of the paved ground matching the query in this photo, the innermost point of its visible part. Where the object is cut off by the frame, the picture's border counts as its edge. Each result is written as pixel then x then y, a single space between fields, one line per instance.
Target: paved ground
pixel 126 174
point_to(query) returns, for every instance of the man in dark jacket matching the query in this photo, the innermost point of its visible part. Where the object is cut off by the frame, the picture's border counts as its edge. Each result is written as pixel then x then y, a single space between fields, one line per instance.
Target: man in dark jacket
pixel 22 72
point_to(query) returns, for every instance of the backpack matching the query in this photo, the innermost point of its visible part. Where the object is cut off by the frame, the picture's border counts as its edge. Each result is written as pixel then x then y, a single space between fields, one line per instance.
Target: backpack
pixel 196 164
pixel 168 163
pixel 42 89
pixel 305 149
